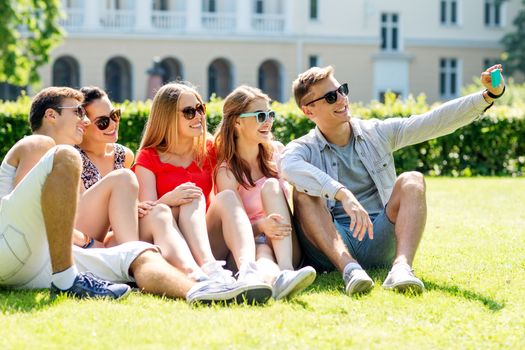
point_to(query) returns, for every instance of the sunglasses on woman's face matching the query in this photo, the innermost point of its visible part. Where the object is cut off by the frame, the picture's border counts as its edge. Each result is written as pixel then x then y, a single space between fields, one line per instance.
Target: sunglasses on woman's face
pixel 331 97
pixel 191 112
pixel 102 123
pixel 261 117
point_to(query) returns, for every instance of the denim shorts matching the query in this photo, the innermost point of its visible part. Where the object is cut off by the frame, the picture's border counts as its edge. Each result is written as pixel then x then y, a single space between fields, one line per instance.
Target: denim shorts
pixel 377 252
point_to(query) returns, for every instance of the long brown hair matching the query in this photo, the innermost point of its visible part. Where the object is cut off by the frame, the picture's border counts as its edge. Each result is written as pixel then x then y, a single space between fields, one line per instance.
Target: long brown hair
pixel 161 131
pixel 236 103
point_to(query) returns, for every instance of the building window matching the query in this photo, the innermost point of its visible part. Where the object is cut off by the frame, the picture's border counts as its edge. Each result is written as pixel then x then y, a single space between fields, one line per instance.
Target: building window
pixel 448 77
pixel 9 92
pixel 269 79
pixel 259 6
pixel 160 5
pixel 314 9
pixel 210 6
pixel 493 13
pixel 118 79
pixel 449 12
pixel 313 61
pixel 66 72
pixel 389 32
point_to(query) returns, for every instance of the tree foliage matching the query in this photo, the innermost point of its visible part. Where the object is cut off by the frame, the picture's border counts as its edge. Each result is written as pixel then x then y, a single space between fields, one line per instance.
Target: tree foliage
pixel 514 44
pixel 29 30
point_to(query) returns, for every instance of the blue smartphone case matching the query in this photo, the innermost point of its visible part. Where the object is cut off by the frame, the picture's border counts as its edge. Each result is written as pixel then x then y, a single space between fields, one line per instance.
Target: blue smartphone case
pixel 495 76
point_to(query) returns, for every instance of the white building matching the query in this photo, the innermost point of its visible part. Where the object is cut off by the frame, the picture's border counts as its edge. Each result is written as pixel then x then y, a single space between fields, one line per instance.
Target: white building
pixel 406 46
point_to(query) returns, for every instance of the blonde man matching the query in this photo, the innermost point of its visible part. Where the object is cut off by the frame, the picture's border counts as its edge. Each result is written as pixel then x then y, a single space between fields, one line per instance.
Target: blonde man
pixel 353 209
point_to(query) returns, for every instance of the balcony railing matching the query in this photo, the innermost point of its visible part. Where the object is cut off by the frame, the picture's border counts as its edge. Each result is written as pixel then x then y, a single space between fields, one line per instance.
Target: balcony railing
pixel 220 22
pixel 171 20
pixel 74 19
pixel 118 19
pixel 273 23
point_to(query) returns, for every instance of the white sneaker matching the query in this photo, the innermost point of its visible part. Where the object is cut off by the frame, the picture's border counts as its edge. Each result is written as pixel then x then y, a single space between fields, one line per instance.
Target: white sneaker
pixel 290 283
pixel 357 281
pixel 215 271
pixel 401 279
pixel 258 291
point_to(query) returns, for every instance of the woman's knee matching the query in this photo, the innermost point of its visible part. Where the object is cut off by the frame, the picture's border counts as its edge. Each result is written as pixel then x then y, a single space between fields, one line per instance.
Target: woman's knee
pixel 227 198
pixel 271 188
pixel 124 177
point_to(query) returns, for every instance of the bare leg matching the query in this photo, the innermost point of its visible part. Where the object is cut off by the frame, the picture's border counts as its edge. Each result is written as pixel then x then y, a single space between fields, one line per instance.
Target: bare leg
pixel 407 208
pixel 192 222
pixel 61 186
pixel 274 202
pixel 266 262
pixel 229 228
pixel 316 223
pixel 159 227
pixel 111 201
pixel 156 276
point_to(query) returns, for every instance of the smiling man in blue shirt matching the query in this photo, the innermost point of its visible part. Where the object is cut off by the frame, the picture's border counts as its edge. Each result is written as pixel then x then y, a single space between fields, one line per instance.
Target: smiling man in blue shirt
pixel 353 210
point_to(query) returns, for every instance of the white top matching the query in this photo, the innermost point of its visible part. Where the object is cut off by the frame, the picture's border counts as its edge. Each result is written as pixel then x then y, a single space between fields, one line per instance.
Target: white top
pixel 7 178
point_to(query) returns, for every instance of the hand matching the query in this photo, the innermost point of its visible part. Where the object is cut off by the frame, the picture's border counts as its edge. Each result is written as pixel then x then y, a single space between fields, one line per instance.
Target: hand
pixel 487 81
pixel 144 208
pixel 274 227
pixel 360 222
pixel 182 194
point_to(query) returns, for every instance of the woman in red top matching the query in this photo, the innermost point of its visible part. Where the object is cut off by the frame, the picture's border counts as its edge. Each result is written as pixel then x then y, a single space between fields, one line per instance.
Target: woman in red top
pixel 175 167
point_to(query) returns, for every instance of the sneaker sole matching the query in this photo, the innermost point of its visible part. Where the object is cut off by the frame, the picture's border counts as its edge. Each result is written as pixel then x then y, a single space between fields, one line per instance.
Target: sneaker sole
pixel 300 283
pixel 407 287
pixel 360 287
pixel 255 295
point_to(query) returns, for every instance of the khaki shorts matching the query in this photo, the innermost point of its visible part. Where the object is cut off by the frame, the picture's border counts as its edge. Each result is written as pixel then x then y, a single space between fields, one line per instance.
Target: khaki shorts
pixel 24 252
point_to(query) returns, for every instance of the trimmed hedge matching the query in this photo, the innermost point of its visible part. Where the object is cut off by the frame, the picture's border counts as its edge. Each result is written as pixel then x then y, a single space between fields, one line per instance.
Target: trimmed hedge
pixel 491 145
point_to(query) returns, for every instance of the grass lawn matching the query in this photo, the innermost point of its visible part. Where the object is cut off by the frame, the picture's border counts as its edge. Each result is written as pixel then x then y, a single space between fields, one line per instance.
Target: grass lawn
pixel 471 259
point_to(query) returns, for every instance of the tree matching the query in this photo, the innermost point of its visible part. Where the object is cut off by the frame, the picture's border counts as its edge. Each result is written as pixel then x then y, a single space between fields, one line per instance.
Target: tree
pixel 514 44
pixel 29 30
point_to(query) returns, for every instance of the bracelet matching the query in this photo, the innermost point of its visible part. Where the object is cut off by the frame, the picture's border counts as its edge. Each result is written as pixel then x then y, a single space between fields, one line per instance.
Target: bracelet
pixel 491 95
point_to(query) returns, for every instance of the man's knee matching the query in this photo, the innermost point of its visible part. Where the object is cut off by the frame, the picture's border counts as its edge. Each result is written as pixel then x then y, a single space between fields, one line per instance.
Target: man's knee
pixel 412 182
pixel 145 259
pixel 68 159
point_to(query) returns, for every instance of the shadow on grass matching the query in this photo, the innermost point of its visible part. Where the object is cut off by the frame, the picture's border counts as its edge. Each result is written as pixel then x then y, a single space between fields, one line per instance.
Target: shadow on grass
pixel 16 301
pixel 456 291
pixel 332 282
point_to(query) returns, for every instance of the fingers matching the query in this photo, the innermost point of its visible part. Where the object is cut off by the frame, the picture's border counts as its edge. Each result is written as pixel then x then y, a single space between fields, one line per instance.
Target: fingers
pixel 360 224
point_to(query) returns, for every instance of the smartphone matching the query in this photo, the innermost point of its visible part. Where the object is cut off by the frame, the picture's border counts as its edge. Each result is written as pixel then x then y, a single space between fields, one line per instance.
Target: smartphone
pixel 495 76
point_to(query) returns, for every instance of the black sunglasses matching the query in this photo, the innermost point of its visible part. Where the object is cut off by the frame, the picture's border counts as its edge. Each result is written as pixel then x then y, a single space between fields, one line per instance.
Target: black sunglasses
pixel 190 112
pixel 261 117
pixel 331 96
pixel 102 123
pixel 79 110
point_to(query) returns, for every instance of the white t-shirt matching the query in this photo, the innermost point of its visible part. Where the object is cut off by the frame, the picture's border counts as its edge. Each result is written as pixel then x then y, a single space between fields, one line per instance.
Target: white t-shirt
pixel 7 177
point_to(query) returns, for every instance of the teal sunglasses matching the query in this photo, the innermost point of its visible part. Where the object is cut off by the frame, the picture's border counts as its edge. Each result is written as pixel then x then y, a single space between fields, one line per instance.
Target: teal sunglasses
pixel 261 117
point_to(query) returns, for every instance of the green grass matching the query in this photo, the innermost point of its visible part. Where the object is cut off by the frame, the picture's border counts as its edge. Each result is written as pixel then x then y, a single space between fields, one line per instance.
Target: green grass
pixel 472 260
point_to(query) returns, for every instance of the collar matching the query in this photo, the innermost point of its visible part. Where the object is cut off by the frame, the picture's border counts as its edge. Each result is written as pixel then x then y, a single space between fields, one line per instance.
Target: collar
pixel 323 143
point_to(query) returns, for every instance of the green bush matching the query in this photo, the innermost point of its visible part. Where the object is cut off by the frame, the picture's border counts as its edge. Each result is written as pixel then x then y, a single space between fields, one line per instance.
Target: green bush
pixel 491 145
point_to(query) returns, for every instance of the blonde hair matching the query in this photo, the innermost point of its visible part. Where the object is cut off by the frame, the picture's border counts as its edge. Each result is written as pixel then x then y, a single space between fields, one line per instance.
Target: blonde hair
pixel 236 103
pixel 161 130
pixel 301 86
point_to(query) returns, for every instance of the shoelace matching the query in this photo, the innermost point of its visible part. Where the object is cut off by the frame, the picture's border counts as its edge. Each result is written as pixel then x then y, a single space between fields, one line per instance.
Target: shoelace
pixel 93 282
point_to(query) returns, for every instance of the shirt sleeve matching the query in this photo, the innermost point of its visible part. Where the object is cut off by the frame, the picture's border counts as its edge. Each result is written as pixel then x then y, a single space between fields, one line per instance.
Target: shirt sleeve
pixel 297 169
pixel 437 122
